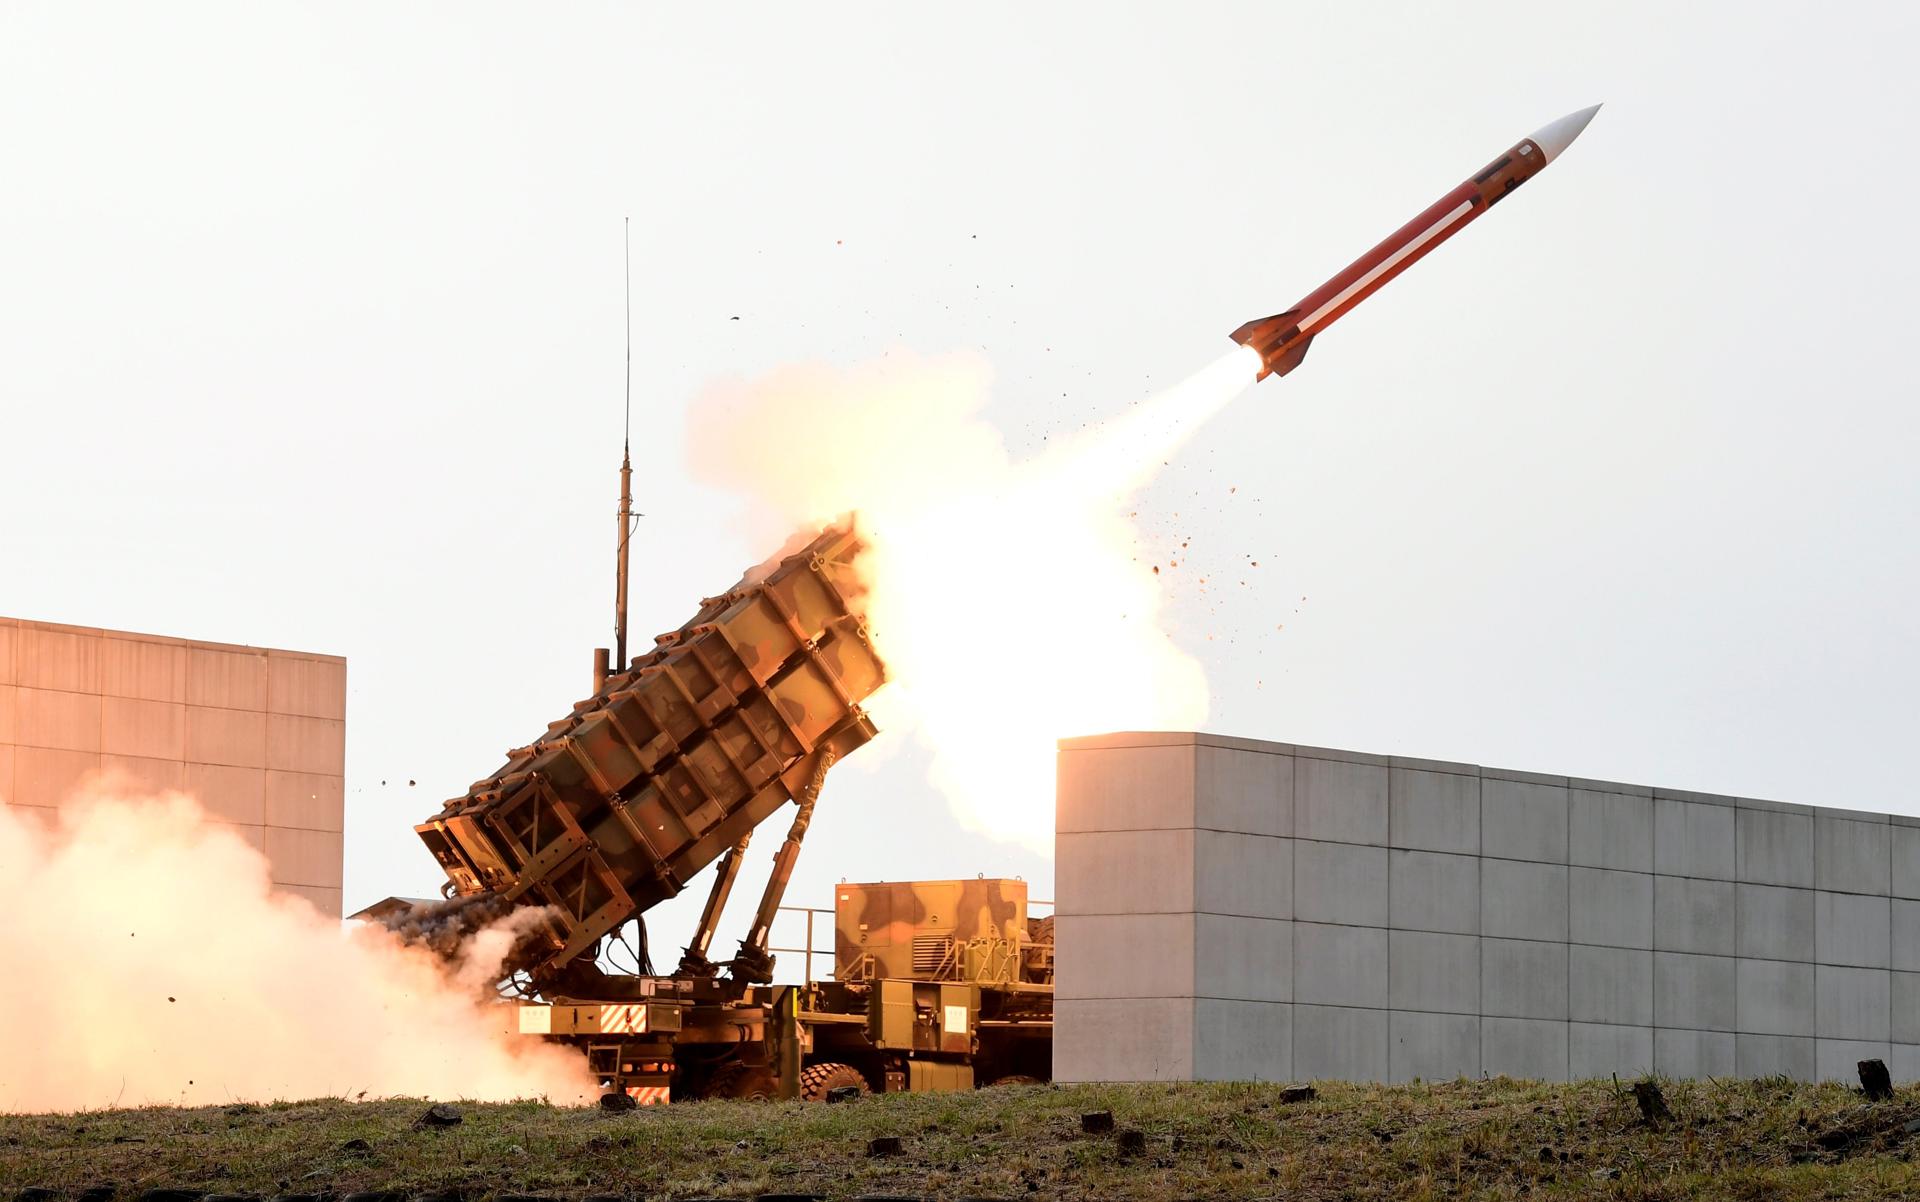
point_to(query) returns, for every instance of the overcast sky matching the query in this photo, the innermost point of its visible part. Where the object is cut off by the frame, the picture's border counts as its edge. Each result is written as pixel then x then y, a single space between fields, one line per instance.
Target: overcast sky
pixel 310 336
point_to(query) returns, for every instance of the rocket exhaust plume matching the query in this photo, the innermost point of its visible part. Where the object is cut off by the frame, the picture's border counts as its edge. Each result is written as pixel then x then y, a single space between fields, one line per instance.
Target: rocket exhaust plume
pixel 1005 596
pixel 152 964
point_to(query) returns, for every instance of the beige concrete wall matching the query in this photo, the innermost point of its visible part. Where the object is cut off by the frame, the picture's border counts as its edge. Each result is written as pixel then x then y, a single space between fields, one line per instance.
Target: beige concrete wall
pixel 257 734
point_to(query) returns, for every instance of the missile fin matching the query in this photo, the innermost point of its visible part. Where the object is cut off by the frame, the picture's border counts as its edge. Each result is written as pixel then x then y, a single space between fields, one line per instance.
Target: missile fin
pixel 1290 360
pixel 1262 326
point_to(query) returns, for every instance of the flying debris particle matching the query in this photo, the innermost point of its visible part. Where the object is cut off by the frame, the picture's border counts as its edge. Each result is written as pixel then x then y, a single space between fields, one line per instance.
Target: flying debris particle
pixel 170 997
pixel 733 319
pixel 410 784
pixel 1156 569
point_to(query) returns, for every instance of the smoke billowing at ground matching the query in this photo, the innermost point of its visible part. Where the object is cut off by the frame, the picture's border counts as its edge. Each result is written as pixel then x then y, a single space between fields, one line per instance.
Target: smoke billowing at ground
pixel 1006 595
pixel 150 963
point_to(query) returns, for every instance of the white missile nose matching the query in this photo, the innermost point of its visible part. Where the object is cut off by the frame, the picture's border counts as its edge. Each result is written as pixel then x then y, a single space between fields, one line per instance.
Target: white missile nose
pixel 1556 137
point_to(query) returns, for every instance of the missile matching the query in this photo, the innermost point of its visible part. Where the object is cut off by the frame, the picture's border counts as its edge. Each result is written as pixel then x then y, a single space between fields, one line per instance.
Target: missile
pixel 1282 339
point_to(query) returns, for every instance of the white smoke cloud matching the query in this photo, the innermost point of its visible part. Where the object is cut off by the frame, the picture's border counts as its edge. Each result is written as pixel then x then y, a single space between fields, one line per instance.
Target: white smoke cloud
pixel 148 961
pixel 1005 595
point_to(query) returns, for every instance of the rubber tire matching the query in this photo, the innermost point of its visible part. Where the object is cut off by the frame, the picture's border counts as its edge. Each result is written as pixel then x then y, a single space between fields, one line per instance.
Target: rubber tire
pixel 746 1082
pixel 1015 1079
pixel 817 1079
pixel 1040 930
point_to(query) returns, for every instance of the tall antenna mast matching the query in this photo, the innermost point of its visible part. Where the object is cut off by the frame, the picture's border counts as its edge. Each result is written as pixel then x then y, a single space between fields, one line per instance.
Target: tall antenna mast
pixel 620 662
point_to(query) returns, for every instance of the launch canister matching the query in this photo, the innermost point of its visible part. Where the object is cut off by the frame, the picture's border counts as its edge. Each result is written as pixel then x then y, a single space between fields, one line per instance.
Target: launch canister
pixel 1282 339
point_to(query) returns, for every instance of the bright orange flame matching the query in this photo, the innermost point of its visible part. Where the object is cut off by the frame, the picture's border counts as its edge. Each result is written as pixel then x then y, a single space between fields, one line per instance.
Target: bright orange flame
pixel 150 963
pixel 1006 596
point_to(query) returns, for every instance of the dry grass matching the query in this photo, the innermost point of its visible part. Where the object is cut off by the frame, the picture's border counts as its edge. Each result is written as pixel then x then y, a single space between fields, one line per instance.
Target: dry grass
pixel 1481 1139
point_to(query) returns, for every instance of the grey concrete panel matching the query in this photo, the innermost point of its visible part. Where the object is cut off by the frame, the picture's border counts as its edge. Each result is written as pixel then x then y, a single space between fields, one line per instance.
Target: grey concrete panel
pixel 1448 921
pixel 1696 992
pixel 1523 1048
pixel 1335 1043
pixel 1525 778
pixel 1339 802
pixel 1614 908
pixel 1123 955
pixel 1339 882
pixel 1773 807
pixel 1692 838
pixel 1610 830
pixel 1852 857
pixel 1432 971
pixel 1523 979
pixel 1432 1047
pixel 1692 915
pixel 1693 1053
pixel 1242 1041
pixel 1124 872
pixel 1123 1039
pixel 1303 751
pixel 1433 891
pixel 1609 786
pixel 1434 811
pixel 1525 821
pixel 1839 1059
pixel 1610 985
pixel 1904 1063
pixel 1598 1050
pixel 1773 1056
pixel 1236 958
pixel 1242 874
pixel 1453 767
pixel 1906 934
pixel 1851 928
pixel 1775 998
pixel 1774 848
pixel 1905 998
pixel 1906 861
pixel 1246 791
pixel 1339 966
pixel 1774 923
pixel 1521 900
pixel 1716 799
pixel 1853 1003
pixel 1124 788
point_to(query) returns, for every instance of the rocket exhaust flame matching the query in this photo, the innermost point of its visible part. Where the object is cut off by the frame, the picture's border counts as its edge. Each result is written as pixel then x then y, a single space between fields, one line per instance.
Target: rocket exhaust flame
pixel 972 550
pixel 165 971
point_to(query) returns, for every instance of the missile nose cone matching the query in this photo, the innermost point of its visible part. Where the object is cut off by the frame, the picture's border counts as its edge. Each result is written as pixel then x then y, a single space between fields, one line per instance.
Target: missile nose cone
pixel 1554 138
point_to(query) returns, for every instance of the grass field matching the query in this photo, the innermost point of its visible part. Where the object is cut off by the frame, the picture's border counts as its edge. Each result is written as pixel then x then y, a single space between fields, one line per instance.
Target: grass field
pixel 1491 1139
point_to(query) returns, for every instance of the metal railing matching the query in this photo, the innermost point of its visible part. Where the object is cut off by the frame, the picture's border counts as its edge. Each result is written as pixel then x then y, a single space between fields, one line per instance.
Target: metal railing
pixel 811 948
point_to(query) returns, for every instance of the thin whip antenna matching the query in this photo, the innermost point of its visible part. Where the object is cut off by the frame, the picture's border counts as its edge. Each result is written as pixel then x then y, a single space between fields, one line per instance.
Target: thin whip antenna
pixel 620 663
pixel 626 254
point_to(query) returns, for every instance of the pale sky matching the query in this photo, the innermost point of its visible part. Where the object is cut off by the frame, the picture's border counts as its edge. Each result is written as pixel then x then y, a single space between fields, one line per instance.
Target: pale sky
pixel 310 336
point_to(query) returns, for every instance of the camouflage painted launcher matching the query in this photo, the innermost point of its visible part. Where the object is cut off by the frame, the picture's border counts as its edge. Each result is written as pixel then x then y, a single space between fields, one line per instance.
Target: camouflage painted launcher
pixel 674 761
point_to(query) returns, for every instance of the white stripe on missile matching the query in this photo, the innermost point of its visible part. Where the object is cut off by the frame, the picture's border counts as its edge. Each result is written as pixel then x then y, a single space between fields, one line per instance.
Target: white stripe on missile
pixel 1385 265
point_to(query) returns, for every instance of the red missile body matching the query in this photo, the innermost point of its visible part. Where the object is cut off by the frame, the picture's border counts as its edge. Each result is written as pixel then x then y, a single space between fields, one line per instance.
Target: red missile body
pixel 1282 339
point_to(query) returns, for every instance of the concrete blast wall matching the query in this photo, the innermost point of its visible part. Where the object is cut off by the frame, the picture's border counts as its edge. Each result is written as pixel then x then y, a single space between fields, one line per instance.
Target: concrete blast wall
pixel 1234 910
pixel 258 735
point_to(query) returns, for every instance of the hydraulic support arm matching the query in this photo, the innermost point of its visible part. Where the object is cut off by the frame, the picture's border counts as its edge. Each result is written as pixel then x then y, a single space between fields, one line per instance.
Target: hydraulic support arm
pixel 754 963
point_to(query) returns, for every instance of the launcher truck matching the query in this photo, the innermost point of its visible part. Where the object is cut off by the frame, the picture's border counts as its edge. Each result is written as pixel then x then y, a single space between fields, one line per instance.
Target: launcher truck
pixel 669 768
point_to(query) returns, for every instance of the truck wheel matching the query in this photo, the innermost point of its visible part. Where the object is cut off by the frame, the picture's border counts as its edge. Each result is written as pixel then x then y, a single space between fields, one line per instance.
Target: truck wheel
pixel 748 1082
pixel 1015 1079
pixel 818 1080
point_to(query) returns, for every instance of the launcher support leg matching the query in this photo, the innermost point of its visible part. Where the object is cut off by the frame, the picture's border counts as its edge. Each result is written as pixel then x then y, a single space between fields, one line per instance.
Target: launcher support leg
pixel 755 963
pixel 694 962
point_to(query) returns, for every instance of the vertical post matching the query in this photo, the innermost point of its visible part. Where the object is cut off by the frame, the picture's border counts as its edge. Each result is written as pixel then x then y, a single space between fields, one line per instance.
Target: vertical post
pixel 620 661
pixel 786 1017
